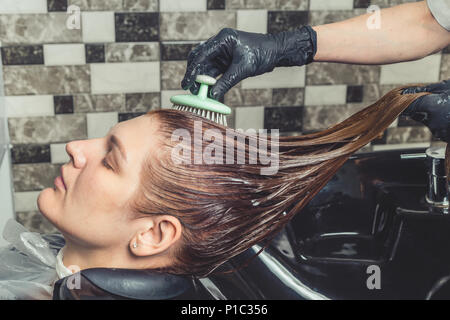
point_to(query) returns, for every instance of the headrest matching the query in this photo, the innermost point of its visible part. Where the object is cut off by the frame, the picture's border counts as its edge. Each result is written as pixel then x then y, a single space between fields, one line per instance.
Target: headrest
pixel 112 284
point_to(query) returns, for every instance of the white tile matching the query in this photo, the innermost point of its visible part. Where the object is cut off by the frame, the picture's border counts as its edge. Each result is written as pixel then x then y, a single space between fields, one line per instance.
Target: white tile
pixel 29 106
pixel 423 70
pixel 381 147
pixel 331 5
pixel 249 118
pixel 64 54
pixel 98 26
pixel 23 6
pixel 58 153
pixel 252 20
pixel 26 201
pixel 6 194
pixel 182 5
pixel 125 77
pixel 322 95
pixel 283 77
pixel 98 124
pixel 166 94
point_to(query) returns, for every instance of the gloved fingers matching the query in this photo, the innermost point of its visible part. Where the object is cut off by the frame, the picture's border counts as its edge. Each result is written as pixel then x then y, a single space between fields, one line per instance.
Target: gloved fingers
pixel 434 87
pixel 206 51
pixel 229 79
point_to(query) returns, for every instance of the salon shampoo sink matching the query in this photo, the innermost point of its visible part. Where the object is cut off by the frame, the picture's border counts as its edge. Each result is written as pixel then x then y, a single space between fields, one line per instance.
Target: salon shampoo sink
pixel 368 234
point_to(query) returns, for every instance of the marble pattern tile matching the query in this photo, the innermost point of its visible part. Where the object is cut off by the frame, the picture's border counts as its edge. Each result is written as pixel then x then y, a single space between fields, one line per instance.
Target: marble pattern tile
pixel 172 74
pixel 125 77
pixel 20 55
pixel 34 221
pixel 63 104
pixel 140 5
pixel 285 20
pixel 23 6
pixel 64 54
pixel 337 73
pixel 26 200
pixel 89 25
pixel 60 128
pixel 99 123
pixel 57 5
pixel 34 176
pixel 20 80
pixel 445 67
pixel 422 70
pixel 215 4
pixel 183 6
pixel 132 52
pixel 408 135
pixel 322 117
pixel 288 96
pixel 30 153
pixel 194 25
pixel 283 118
pixel 248 97
pixel 97 5
pixel 98 102
pixel 137 26
pixel 330 5
pixel 325 94
pixel 267 4
pixel 142 102
pixel 37 29
pixel 292 77
pixel 176 51
pixel 95 53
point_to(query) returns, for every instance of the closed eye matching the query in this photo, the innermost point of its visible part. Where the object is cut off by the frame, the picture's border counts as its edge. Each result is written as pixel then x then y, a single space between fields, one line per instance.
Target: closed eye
pixel 106 164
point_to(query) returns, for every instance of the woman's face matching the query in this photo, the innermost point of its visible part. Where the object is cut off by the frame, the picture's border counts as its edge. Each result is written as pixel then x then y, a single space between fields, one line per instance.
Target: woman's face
pixel 102 176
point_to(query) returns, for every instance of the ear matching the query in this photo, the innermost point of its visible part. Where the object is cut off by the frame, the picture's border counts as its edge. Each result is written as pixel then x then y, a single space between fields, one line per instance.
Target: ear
pixel 158 233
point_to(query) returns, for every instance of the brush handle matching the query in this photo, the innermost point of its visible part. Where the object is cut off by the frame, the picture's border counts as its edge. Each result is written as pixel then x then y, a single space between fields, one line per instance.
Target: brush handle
pixel 204 81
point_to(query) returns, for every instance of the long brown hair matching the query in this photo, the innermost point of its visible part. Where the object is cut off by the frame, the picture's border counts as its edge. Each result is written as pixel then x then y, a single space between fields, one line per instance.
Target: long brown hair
pixel 226 208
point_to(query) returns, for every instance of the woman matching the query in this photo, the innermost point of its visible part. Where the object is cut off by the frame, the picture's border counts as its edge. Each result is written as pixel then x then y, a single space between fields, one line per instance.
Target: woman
pixel 129 200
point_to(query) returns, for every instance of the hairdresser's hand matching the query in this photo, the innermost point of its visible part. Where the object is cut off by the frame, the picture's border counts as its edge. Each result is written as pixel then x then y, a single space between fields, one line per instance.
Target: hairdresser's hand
pixel 239 55
pixel 433 110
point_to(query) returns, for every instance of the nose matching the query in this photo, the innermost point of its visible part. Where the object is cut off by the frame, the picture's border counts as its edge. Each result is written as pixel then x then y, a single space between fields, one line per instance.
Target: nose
pixel 75 150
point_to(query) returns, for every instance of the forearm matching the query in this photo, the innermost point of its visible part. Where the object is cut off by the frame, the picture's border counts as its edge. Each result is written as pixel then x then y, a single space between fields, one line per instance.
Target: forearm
pixel 407 32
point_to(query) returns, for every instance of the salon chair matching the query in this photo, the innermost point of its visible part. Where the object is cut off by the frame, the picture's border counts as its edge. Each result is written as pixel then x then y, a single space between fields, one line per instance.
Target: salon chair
pixel 121 284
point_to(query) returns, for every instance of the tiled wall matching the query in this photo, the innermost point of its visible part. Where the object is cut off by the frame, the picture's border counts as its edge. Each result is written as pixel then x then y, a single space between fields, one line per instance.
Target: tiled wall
pixel 129 57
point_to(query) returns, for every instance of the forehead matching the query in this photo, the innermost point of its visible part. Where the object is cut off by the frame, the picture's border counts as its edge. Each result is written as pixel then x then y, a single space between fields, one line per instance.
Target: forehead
pixel 138 135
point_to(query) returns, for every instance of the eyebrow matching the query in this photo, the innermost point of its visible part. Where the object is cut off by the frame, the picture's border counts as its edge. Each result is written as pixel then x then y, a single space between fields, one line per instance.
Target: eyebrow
pixel 115 141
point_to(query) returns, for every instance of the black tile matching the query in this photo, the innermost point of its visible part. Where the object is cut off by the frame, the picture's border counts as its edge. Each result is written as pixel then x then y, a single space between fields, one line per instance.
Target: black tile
pixel 285 119
pixel 30 153
pixel 176 51
pixel 129 115
pixel 56 5
pixel 141 26
pixel 355 93
pixel 215 4
pixel 17 55
pixel 361 4
pixel 278 21
pixel 446 49
pixel 63 104
pixel 95 53
pixel 380 140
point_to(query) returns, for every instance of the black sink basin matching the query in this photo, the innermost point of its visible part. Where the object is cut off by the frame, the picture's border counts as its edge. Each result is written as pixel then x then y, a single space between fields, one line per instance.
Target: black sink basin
pixel 372 214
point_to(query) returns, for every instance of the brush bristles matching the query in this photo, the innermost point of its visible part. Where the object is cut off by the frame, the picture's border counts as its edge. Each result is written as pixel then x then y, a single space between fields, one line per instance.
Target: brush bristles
pixel 210 115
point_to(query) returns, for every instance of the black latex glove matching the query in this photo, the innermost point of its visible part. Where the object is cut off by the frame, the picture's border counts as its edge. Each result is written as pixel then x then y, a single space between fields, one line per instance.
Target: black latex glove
pixel 433 110
pixel 239 55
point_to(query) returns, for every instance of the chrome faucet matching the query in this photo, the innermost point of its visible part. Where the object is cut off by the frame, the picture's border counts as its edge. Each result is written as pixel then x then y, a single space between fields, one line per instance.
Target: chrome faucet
pixel 438 190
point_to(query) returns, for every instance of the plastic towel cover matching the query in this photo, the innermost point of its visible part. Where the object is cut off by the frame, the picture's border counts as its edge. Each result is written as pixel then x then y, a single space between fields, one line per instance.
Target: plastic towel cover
pixel 27 263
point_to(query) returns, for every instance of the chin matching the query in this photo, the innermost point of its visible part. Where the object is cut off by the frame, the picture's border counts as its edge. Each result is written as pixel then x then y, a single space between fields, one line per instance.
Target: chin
pixel 47 204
